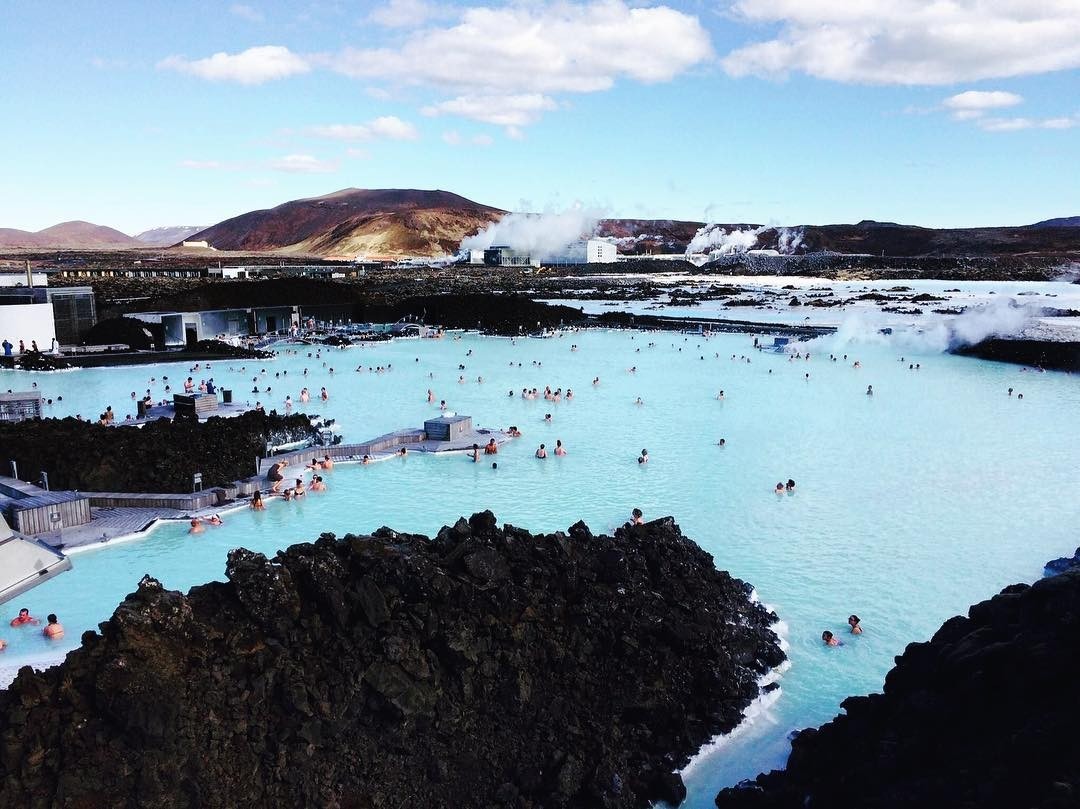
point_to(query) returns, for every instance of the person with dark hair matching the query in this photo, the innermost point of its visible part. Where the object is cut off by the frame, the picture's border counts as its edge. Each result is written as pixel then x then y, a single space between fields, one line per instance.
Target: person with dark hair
pixel 54 630
pixel 829 640
pixel 790 486
pixel 275 476
pixel 24 618
pixel 257 503
pixel 541 452
pixel 853 622
pixel 636 517
pixel 644 457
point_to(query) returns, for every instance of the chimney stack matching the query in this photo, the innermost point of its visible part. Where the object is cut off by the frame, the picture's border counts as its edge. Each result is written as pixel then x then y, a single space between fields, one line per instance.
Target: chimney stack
pixel 29 275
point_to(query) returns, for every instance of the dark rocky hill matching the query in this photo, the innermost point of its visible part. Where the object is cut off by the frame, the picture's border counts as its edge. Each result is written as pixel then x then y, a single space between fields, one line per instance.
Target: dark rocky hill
pixel 486 667
pixel 353 221
pixel 1060 222
pixel 982 716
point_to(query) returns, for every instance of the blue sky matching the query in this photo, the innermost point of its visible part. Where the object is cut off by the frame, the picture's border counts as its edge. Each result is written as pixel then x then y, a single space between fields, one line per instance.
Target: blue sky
pixel 140 114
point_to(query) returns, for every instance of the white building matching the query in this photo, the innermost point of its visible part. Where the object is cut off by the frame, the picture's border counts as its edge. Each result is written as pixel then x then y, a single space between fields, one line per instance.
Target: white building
pixel 598 251
pixel 203 245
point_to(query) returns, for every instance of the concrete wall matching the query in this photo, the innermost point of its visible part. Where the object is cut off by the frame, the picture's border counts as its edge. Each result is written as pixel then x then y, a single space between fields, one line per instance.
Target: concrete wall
pixel 30 321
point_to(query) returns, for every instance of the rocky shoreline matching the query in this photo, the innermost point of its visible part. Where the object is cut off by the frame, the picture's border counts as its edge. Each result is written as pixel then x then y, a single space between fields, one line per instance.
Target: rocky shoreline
pixel 982 715
pixel 1048 354
pixel 485 667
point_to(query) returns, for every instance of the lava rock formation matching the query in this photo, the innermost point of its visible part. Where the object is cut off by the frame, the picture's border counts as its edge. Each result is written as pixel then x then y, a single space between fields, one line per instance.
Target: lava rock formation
pixel 982 716
pixel 486 667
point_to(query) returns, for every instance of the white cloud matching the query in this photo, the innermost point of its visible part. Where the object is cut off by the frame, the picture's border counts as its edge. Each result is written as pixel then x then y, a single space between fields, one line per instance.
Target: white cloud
pixel 510 110
pixel 246 12
pixel 973 104
pixel 981 100
pixel 537 48
pixel 253 66
pixel 502 63
pixel 515 133
pixel 386 127
pixel 405 13
pixel 1017 124
pixel 303 164
pixel 452 137
pixel 909 42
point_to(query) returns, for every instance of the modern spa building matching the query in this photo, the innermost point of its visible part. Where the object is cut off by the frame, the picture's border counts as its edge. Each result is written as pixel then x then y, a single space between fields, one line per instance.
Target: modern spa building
pixel 32 311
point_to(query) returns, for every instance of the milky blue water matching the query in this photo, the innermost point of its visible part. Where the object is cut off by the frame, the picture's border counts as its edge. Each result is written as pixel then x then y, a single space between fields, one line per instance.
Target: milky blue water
pixel 910 504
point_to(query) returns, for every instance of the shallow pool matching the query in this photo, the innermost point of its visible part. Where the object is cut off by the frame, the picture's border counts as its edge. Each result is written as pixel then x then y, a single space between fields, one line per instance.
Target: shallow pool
pixel 910 504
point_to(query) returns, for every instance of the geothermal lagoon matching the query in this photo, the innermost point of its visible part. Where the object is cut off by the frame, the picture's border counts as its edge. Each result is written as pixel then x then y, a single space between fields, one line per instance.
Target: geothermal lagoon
pixel 910 504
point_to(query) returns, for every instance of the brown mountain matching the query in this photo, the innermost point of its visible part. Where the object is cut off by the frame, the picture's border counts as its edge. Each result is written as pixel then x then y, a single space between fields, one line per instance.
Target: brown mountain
pixel 77 234
pixel 353 222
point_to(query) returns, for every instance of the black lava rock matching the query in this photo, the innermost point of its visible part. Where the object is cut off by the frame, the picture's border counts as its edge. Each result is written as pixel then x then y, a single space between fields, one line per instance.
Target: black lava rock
pixel 980 717
pixel 159 457
pixel 1055 566
pixel 487 667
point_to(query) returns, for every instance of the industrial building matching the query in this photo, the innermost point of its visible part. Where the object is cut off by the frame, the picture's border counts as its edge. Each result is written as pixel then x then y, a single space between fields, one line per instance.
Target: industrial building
pixel 188 328
pixel 592 251
pixel 32 311
pixel 598 251
pixel 501 255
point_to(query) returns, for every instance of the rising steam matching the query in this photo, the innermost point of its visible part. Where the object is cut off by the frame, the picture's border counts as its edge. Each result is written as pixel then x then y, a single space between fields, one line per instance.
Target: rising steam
pixel 544 236
pixel 1004 318
pixel 716 240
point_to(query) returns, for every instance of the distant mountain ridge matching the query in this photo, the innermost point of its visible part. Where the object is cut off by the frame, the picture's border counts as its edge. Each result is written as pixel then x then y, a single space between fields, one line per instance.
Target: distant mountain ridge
pixel 74 234
pixel 1061 222
pixel 394 223
pixel 166 236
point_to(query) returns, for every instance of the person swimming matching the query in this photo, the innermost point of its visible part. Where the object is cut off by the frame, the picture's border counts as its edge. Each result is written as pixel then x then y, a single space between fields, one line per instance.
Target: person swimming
pixel 53 630
pixel 541 452
pixel 829 640
pixel 636 517
pixel 779 488
pixel 869 390
pixel 790 485
pixel 196 526
pixel 257 503
pixel 853 622
pixel 559 448
pixel 24 618
pixel 644 457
